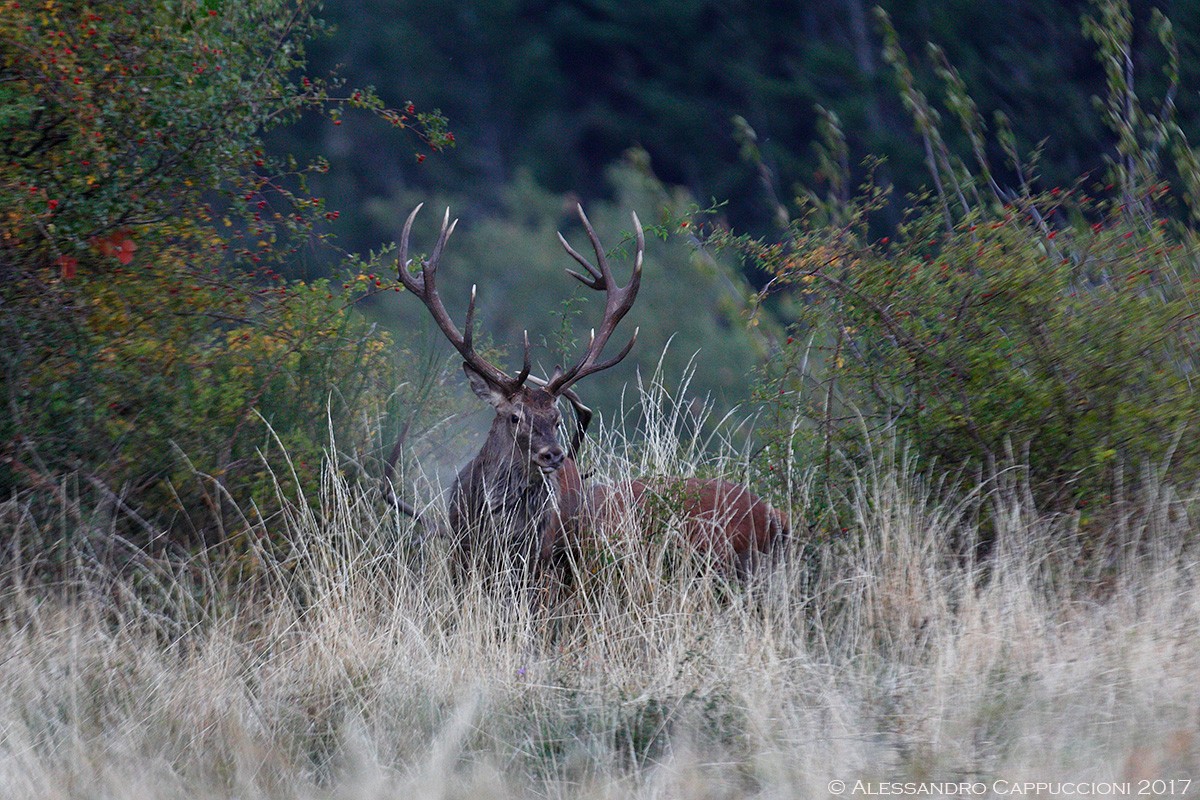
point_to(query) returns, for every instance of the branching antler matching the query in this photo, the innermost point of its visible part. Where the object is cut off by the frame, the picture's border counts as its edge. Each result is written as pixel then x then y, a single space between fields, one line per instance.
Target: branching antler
pixel 423 285
pixel 618 301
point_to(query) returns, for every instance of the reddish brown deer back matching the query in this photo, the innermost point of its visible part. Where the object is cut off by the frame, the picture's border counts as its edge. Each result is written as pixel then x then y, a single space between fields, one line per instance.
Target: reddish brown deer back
pixel 720 519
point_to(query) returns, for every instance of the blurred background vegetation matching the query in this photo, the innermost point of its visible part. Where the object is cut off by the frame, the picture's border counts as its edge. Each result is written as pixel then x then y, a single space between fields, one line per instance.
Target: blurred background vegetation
pixel 561 90
pixel 986 249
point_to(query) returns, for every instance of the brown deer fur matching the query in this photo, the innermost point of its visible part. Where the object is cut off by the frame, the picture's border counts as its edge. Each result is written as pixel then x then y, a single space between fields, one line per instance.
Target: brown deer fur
pixel 719 519
pixel 511 505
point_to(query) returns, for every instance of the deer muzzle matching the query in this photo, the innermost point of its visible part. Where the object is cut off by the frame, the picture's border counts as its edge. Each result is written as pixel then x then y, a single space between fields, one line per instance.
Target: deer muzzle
pixel 548 459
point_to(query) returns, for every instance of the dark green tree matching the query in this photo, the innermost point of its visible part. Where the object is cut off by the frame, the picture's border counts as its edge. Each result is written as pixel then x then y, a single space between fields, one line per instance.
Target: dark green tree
pixel 560 89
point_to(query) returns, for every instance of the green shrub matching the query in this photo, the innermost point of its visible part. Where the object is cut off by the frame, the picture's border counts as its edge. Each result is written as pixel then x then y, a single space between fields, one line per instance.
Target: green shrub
pixel 152 392
pixel 1054 328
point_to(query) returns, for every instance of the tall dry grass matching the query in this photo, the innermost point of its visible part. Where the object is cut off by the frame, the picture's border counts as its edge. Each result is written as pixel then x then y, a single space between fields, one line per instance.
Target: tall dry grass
pixel 355 668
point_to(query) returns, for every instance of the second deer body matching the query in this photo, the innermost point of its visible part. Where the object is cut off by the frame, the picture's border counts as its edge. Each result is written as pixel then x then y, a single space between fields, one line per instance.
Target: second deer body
pixel 721 521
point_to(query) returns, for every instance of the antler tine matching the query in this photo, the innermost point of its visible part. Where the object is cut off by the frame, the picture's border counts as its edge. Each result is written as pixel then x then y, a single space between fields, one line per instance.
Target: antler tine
pixel 409 281
pixel 424 286
pixel 603 365
pixel 447 228
pixel 524 373
pixel 597 279
pixel 469 325
pixel 618 301
pixel 601 259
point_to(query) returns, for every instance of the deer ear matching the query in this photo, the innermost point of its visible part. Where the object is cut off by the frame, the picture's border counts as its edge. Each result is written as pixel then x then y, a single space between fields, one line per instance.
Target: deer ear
pixel 483 388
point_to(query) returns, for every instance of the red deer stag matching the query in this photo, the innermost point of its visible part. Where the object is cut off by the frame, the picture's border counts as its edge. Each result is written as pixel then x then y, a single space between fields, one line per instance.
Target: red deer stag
pixel 512 505
pixel 517 505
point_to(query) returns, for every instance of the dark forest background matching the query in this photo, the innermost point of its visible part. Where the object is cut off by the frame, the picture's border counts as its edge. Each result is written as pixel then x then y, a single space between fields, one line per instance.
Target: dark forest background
pixel 560 91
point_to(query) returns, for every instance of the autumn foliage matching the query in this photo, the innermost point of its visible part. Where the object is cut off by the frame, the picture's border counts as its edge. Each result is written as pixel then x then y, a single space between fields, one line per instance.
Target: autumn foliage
pixel 155 366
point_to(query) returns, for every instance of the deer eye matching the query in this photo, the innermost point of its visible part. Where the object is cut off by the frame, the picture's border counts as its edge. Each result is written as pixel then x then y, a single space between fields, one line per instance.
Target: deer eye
pixel 515 419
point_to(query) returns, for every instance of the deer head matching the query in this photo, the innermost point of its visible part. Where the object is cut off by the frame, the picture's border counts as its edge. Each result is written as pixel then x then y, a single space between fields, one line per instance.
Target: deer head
pixel 526 423
pixel 509 395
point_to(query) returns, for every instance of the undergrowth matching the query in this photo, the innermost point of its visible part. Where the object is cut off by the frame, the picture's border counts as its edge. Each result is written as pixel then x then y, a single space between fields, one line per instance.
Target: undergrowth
pixel 882 649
